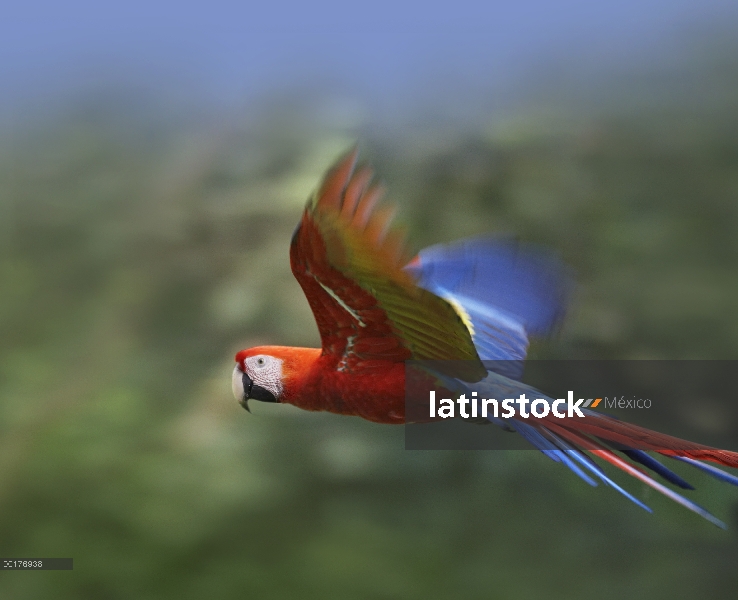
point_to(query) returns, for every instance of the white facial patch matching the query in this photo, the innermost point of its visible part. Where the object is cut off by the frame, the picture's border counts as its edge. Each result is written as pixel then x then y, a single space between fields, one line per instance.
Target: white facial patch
pixel 265 371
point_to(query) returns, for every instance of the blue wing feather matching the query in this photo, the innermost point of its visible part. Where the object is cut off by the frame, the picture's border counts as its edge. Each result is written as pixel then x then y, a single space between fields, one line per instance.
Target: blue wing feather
pixel 507 291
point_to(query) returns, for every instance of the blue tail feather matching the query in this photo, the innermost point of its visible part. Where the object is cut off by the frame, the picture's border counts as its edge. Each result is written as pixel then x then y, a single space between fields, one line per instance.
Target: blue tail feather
pixel 550 450
pixel 709 469
pixel 648 461
pixel 584 460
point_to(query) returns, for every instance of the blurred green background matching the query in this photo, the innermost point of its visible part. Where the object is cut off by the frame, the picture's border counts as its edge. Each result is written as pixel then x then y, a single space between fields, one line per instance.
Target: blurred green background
pixel 142 245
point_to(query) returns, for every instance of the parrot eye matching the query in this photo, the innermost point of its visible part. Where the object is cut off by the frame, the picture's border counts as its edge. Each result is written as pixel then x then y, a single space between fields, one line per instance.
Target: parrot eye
pixel 260 362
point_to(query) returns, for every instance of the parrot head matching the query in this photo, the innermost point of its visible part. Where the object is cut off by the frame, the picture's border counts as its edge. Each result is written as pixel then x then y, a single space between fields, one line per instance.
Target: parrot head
pixel 257 376
pixel 268 373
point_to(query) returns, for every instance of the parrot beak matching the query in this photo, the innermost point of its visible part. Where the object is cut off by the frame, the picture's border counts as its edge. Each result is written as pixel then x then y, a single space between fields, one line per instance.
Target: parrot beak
pixel 241 385
pixel 244 401
pixel 244 389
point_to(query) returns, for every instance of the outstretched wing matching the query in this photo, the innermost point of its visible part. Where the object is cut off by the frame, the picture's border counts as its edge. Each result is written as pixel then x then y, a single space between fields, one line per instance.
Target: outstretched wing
pixel 348 262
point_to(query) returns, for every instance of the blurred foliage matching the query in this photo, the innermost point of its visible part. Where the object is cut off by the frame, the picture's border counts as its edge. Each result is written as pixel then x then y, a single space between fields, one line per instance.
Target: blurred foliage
pixel 138 252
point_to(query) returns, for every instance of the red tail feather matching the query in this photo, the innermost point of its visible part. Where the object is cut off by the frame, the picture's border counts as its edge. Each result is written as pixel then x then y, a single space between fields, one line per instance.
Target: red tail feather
pixel 606 428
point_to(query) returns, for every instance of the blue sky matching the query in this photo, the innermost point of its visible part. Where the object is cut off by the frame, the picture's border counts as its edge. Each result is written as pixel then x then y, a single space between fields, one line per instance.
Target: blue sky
pixel 231 50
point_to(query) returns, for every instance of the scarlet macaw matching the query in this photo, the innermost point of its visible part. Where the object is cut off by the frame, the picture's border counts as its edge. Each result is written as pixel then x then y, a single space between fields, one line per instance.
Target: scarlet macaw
pixel 374 312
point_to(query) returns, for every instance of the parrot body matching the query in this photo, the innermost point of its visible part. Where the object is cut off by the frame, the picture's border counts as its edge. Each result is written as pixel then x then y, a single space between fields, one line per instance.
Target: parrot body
pixel 472 301
pixel 312 381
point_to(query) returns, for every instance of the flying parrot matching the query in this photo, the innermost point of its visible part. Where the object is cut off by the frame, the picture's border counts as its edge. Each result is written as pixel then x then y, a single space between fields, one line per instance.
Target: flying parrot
pixel 472 301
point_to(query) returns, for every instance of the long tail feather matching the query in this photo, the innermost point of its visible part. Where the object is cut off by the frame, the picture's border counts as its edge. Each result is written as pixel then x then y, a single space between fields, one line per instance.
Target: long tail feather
pixel 569 440
pixel 584 460
pixel 648 461
pixel 549 449
pixel 558 450
pixel 626 434
pixel 710 470
pixel 605 453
